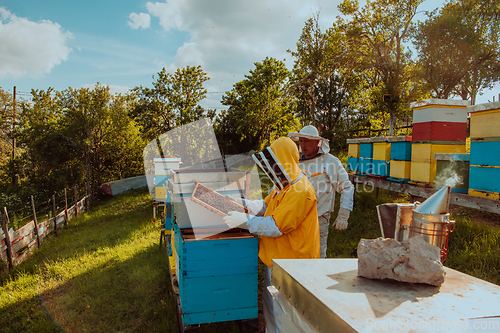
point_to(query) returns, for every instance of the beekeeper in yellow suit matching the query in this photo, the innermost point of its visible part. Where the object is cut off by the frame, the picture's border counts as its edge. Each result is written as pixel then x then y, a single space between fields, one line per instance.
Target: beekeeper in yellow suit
pixel 286 221
pixel 328 176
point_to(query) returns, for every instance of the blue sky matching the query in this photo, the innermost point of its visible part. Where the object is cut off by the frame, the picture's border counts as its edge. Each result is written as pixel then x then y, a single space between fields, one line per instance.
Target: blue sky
pixel 123 43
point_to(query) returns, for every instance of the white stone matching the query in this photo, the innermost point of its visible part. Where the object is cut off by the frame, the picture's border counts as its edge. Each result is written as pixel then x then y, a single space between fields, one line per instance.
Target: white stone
pixel 413 260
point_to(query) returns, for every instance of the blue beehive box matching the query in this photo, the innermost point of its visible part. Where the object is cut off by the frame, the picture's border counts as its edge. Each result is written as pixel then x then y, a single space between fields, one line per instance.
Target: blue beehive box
pixel 352 164
pixel 365 156
pixel 218 276
pixel 381 168
pixel 401 151
pixel 485 166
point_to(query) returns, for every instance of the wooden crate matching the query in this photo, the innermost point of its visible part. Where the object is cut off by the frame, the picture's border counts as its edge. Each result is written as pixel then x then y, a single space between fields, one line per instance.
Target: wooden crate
pixel 217 276
pixel 400 170
pixel 485 120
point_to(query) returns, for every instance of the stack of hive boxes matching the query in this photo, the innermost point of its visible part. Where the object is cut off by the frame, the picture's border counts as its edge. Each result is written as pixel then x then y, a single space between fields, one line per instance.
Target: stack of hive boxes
pixel 365 165
pixel 381 156
pixel 353 156
pixel 484 177
pixel 400 158
pixel 439 126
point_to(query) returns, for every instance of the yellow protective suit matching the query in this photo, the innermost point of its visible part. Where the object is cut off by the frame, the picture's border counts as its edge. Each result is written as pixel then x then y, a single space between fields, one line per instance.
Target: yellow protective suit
pixel 293 210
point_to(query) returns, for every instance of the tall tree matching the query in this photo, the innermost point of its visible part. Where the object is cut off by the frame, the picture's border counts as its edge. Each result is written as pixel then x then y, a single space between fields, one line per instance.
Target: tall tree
pixel 459 49
pixel 259 109
pixel 79 136
pixel 315 59
pixel 377 35
pixel 173 101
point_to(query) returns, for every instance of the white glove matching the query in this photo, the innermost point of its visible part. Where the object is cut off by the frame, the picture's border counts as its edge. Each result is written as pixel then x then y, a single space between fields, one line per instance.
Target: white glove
pixel 238 200
pixel 236 220
pixel 341 221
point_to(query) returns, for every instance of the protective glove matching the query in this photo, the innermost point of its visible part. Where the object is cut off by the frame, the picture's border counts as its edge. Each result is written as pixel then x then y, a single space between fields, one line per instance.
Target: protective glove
pixel 236 220
pixel 238 200
pixel 341 221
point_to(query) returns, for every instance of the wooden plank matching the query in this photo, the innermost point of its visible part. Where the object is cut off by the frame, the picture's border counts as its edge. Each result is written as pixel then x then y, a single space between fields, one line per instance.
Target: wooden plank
pixel 24 230
pixel 459 199
pixel 29 239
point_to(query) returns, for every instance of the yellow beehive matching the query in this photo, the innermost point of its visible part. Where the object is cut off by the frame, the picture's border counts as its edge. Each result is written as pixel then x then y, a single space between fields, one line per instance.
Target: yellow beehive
pixel 424 152
pixel 484 120
pixel 400 169
pixel 423 173
pixel 382 151
pixel 484 194
pixel 353 150
pixel 160 192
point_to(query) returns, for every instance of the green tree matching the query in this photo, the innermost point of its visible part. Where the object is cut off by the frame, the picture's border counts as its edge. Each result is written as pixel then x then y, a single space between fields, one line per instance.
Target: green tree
pixel 96 124
pixel 5 134
pixel 377 35
pixel 459 49
pixel 172 102
pixel 259 109
pixel 315 61
pixel 79 136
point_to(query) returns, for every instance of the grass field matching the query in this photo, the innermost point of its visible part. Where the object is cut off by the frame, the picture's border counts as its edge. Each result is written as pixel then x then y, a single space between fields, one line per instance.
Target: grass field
pixel 107 273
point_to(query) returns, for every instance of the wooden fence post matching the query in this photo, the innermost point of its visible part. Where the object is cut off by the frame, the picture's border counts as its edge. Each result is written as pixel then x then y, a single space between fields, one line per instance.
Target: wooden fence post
pixel 65 208
pixel 76 202
pixel 5 223
pixel 35 222
pixel 54 211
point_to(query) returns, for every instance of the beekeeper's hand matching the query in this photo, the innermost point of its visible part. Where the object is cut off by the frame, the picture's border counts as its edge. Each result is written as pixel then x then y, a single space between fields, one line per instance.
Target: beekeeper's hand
pixel 341 221
pixel 236 220
pixel 238 200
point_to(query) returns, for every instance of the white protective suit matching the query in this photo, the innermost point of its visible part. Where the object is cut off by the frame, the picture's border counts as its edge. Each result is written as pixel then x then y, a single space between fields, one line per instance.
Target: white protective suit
pixel 328 176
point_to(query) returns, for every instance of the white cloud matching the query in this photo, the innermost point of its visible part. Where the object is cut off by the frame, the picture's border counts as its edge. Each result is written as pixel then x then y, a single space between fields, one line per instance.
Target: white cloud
pixel 141 20
pixel 229 37
pixel 170 13
pixel 30 48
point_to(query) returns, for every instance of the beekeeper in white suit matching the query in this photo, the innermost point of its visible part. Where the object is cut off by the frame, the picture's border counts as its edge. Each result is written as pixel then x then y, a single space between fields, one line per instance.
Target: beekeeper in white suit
pixel 328 176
